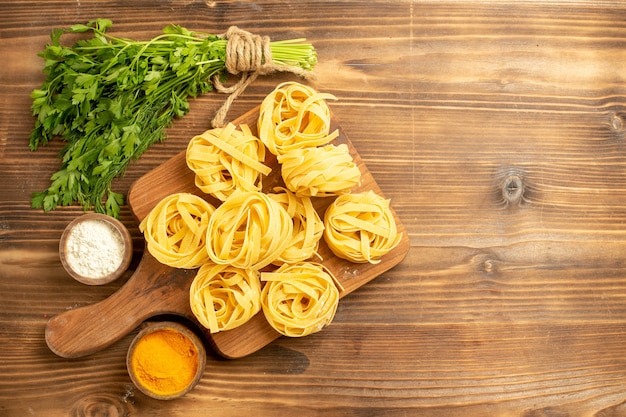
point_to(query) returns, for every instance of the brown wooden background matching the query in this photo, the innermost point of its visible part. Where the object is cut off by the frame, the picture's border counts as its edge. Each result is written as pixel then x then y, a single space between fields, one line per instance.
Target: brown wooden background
pixel 499 309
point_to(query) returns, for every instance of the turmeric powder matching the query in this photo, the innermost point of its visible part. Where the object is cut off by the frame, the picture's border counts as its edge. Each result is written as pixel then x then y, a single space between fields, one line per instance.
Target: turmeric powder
pixel 164 362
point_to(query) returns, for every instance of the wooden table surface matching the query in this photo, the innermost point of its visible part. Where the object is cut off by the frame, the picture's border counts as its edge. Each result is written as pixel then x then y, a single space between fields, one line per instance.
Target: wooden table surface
pixel 498 131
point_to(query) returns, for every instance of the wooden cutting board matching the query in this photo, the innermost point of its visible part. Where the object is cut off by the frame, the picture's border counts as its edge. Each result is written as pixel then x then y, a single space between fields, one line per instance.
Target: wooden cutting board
pixel 156 289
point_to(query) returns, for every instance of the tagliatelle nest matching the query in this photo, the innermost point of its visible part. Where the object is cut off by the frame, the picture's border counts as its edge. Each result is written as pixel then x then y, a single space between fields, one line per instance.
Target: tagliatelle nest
pixel 295 116
pixel 299 299
pixel 223 297
pixel 360 227
pixel 319 172
pixel 175 230
pixel 227 159
pixel 249 230
pixel 308 227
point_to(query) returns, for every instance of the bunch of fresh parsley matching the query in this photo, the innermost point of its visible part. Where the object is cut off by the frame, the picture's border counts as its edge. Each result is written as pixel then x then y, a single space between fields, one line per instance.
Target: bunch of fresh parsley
pixel 110 98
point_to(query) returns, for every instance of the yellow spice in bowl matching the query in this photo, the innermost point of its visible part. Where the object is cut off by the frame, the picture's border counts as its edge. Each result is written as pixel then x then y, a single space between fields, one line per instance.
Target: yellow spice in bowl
pixel 165 363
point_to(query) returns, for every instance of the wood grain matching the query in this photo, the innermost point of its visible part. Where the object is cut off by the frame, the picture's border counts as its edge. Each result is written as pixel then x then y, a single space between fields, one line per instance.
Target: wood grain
pixel 500 308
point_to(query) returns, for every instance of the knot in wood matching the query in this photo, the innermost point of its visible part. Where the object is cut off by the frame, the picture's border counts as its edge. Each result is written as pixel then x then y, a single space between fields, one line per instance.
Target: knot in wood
pixel 100 405
pixel 247 52
pixel 513 189
pixel 616 122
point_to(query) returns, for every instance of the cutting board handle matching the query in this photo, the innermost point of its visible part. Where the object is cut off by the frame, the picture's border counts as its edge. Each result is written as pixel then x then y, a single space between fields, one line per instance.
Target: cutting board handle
pixel 153 289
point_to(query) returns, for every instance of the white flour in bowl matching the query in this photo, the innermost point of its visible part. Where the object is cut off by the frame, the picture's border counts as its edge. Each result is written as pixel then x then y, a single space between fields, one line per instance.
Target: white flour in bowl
pixel 94 248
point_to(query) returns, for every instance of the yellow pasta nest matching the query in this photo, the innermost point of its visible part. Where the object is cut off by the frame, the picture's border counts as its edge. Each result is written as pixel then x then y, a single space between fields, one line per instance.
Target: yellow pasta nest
pixel 227 159
pixel 294 116
pixel 175 230
pixel 299 299
pixel 360 227
pixel 223 297
pixel 319 172
pixel 249 230
pixel 307 226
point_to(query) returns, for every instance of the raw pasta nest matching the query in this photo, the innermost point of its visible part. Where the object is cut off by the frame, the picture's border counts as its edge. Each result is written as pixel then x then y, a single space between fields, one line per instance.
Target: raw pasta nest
pixel 299 299
pixel 308 227
pixel 175 230
pixel 294 116
pixel 227 159
pixel 360 227
pixel 249 230
pixel 223 297
pixel 319 172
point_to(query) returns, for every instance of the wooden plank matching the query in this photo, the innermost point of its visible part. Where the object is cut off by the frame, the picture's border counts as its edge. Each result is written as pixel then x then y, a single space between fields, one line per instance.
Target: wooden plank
pixel 496 310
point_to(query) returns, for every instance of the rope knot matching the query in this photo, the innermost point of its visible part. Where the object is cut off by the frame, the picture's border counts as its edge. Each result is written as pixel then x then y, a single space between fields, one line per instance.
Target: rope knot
pixel 249 55
pixel 247 52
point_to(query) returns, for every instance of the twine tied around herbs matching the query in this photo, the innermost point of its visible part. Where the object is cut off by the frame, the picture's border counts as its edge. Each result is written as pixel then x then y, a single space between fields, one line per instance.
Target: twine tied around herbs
pixel 249 55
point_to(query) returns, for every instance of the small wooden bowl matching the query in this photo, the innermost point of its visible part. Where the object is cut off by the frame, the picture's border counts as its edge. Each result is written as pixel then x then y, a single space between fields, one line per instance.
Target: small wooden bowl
pixel 181 330
pixel 117 227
